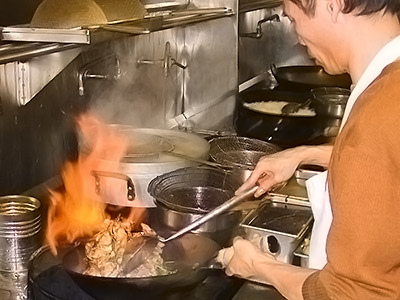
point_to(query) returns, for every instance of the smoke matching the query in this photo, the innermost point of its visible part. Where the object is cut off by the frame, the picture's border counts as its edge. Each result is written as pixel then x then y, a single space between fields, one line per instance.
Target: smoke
pixel 131 102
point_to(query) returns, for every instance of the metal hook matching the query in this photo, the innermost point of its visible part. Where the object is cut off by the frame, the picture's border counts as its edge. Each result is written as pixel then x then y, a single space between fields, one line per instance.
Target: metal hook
pixel 85 72
pixel 258 33
pixel 166 62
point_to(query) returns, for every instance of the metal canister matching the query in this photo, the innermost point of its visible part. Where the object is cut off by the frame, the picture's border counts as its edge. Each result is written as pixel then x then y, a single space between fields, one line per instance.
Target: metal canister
pixel 20 226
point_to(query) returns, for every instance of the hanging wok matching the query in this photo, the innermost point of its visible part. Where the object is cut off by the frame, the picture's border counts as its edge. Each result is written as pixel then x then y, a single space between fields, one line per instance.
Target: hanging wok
pixel 305 78
pixel 189 256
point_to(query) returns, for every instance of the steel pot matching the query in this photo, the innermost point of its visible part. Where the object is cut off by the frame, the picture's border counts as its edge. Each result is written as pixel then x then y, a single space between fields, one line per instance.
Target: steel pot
pixel 184 195
pixel 304 78
pixel 284 131
pixel 127 185
pixel 330 101
pixel 176 220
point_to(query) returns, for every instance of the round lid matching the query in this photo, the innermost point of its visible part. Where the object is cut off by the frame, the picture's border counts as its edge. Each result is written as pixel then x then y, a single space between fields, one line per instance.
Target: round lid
pixel 148 145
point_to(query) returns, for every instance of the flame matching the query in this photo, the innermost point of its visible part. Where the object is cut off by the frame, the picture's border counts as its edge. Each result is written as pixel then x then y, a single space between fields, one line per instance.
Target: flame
pixel 79 211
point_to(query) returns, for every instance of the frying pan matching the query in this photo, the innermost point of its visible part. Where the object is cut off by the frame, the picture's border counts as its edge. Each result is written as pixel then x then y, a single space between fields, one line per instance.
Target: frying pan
pixel 190 255
pixel 304 78
pixel 284 131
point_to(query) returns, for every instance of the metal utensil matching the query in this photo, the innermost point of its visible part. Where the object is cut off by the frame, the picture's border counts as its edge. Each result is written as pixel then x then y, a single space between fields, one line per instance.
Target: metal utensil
pixel 213 213
pixel 294 107
pixel 140 252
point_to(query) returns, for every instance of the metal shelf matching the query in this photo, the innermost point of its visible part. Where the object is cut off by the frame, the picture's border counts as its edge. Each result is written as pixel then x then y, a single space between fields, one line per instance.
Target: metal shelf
pixel 23 42
pixel 250 5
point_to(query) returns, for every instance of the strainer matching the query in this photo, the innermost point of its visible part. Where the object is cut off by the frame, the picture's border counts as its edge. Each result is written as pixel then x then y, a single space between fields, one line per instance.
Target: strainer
pixel 194 189
pixel 239 152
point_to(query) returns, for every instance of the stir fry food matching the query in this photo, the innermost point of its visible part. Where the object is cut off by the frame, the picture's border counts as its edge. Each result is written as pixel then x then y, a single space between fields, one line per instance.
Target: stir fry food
pixel 110 251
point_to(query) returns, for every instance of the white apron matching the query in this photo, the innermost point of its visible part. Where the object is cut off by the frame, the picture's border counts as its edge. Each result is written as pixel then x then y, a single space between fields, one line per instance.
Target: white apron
pixel 317 186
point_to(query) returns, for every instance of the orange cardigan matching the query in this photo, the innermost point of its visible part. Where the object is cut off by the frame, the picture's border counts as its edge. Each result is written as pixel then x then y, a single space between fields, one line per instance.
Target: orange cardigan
pixel 363 246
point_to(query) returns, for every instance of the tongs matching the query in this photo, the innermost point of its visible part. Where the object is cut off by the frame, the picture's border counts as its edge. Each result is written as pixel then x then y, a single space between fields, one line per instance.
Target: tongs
pixel 294 107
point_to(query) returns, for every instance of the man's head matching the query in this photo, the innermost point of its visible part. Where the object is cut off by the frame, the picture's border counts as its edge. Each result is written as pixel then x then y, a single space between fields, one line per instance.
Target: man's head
pixel 359 7
pixel 332 29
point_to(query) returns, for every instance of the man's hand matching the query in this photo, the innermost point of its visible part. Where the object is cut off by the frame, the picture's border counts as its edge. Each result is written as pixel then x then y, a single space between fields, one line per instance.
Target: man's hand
pixel 276 168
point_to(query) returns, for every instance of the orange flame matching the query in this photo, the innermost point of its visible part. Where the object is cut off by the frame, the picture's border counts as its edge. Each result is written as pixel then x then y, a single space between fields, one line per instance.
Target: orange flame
pixel 78 212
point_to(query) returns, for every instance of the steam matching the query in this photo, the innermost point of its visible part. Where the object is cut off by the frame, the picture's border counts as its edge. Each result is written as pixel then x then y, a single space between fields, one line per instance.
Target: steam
pixel 141 97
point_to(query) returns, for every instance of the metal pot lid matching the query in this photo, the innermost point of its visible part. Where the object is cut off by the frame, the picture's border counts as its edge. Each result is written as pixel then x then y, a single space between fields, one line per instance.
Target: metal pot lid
pixel 149 146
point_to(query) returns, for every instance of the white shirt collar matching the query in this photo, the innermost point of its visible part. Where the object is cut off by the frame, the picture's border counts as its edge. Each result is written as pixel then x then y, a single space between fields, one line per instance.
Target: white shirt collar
pixel 388 54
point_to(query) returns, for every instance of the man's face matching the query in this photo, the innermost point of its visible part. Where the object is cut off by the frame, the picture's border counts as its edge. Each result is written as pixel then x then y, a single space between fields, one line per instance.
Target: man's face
pixel 315 32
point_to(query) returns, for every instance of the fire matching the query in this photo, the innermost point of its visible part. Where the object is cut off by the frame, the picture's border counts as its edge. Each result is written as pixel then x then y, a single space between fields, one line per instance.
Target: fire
pixel 78 211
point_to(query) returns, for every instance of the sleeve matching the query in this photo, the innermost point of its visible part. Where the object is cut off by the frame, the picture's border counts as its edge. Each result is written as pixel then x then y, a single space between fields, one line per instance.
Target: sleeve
pixel 313 289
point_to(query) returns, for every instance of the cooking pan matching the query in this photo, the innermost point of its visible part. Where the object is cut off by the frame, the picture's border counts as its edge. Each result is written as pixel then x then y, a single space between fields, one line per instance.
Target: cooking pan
pixel 191 256
pixel 304 78
pixel 284 131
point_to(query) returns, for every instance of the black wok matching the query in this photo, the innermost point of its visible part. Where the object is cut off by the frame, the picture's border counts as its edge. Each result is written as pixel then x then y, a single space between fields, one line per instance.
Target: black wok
pixel 304 78
pixel 284 131
pixel 189 255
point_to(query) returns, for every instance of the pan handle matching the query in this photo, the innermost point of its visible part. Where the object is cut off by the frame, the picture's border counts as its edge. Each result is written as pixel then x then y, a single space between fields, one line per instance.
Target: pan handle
pixel 213 213
pixel 129 183
pixel 273 69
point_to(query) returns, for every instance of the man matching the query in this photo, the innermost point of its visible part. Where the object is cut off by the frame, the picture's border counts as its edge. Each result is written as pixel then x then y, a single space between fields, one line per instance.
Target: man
pixel 362 186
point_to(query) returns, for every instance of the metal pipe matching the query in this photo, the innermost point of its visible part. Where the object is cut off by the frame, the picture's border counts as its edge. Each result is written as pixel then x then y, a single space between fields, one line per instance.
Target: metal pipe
pixel 34 51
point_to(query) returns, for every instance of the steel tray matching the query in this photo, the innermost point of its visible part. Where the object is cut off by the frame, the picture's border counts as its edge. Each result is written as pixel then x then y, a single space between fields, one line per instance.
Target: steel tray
pixel 280 226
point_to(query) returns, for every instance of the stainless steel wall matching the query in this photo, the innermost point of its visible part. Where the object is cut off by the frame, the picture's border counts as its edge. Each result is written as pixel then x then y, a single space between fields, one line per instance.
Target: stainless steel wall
pixel 277 45
pixel 38 137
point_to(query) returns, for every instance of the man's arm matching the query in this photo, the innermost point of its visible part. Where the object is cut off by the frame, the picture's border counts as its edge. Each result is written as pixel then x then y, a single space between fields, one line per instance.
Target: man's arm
pixel 276 168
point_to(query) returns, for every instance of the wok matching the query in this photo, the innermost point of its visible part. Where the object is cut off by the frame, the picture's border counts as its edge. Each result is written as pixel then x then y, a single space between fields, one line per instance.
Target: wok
pixel 304 78
pixel 284 131
pixel 190 255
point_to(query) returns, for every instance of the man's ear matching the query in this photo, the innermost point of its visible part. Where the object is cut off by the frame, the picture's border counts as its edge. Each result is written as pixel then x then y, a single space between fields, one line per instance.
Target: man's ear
pixel 334 8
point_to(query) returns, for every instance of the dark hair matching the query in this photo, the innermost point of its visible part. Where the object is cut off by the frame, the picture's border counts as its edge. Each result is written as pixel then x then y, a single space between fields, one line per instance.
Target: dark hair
pixel 359 7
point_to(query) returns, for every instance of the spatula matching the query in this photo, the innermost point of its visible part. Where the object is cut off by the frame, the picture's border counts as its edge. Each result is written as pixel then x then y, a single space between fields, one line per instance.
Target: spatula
pixel 294 107
pixel 138 253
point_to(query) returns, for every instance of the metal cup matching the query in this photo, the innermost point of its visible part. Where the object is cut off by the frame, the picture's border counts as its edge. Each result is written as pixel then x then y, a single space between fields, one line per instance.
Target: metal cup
pixel 20 227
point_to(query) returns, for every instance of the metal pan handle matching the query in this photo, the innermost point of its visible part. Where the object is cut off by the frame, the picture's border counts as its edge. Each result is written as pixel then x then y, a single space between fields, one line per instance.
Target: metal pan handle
pixel 213 213
pixel 273 68
pixel 129 183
